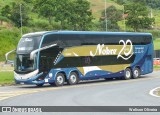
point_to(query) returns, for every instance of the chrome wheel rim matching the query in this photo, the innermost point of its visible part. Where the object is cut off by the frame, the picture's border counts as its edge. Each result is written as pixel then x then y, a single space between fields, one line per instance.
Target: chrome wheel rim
pixel 60 79
pixel 73 78
pixel 136 73
pixel 128 74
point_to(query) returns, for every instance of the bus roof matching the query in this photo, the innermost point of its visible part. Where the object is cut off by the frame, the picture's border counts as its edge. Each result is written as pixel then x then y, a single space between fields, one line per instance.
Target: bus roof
pixel 84 32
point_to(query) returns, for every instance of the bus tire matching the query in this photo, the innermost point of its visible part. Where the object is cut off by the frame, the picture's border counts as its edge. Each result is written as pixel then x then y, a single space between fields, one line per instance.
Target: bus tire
pixel 73 78
pixel 59 80
pixel 136 73
pixel 127 74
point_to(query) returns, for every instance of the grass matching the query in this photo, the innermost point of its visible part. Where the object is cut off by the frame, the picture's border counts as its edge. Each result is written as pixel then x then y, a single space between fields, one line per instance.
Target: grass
pixel 157 44
pixel 98 6
pixel 156 15
pixel 6 78
pixel 156 67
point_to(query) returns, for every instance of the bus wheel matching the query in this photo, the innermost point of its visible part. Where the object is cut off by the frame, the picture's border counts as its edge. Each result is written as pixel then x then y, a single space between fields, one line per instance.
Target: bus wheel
pixel 59 80
pixel 136 73
pixel 127 74
pixel 73 78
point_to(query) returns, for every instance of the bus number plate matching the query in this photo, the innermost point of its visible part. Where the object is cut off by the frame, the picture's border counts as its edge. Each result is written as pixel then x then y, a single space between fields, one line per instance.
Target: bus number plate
pixel 46 80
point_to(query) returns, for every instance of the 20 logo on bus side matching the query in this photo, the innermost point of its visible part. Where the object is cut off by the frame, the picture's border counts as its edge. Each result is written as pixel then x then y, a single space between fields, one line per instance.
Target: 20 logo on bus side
pixel 102 50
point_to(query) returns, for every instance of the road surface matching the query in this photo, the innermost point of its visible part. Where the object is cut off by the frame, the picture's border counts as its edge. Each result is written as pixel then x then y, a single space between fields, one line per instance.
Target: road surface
pixel 134 92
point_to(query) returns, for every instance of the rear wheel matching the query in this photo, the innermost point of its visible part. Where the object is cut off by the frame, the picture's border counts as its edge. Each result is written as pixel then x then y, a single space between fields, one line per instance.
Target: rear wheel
pixel 127 73
pixel 73 78
pixel 136 73
pixel 59 80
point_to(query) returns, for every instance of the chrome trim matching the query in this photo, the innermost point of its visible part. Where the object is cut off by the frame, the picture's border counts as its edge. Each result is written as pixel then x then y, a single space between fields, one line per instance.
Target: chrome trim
pixel 25 76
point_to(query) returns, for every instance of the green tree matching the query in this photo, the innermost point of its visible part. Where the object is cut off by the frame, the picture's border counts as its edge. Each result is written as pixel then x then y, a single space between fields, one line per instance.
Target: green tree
pixel 138 16
pixel 12 12
pixel 63 13
pixel 81 15
pixel 113 15
pixel 46 8
pixel 121 2
pixel 71 14
pixel 6 11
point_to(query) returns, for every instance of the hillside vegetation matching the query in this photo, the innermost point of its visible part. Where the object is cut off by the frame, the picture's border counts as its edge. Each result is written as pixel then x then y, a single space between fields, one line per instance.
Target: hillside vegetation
pixel 70 15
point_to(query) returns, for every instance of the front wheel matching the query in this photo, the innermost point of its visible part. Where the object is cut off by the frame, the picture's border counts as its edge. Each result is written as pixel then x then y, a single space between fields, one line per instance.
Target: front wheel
pixel 127 73
pixel 73 78
pixel 59 80
pixel 136 73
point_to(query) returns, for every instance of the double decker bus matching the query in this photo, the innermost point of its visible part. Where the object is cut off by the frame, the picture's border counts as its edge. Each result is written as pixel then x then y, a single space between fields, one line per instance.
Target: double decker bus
pixel 56 57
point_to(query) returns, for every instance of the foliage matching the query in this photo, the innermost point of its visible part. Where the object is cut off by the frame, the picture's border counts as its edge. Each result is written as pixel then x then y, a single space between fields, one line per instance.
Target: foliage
pixel 113 15
pixel 2 18
pixel 46 8
pixel 138 16
pixel 81 15
pixel 121 2
pixel 12 12
pixel 40 15
pixel 153 3
pixel 72 14
pixel 8 40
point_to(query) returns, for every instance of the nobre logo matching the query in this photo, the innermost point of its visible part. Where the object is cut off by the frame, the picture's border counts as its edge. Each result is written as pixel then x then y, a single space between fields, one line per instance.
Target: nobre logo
pixel 102 50
pixel 125 53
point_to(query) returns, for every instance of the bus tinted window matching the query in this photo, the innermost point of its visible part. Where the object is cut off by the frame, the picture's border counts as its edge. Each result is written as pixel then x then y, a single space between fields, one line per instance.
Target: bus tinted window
pixel 50 39
pixel 69 40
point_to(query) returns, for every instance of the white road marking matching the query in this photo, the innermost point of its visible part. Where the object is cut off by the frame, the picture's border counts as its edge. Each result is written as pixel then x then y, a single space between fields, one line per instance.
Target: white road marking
pixel 154 90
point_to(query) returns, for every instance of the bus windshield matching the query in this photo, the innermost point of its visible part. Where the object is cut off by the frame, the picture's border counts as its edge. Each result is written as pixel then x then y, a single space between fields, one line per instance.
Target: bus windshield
pixel 24 64
pixel 28 44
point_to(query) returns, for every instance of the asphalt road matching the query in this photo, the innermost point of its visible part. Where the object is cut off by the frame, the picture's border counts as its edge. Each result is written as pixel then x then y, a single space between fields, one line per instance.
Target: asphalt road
pixel 134 92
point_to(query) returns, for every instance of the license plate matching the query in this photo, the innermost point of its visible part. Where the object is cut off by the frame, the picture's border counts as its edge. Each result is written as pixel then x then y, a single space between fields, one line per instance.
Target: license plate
pixel 22 83
pixel 46 80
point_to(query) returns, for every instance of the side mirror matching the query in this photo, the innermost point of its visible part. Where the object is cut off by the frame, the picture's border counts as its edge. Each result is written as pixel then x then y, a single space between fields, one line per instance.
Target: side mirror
pixel 6 56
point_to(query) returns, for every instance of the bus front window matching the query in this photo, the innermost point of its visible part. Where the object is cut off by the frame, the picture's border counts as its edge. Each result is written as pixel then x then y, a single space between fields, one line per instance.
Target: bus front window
pixel 24 64
pixel 27 44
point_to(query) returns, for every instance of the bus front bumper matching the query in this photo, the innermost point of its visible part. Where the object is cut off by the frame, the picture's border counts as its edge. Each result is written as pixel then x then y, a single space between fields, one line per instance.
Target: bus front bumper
pixel 30 78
